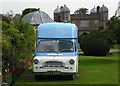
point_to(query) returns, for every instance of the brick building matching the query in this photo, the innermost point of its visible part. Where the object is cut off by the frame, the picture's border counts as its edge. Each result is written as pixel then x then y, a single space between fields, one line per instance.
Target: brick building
pixel 62 14
pixel 85 22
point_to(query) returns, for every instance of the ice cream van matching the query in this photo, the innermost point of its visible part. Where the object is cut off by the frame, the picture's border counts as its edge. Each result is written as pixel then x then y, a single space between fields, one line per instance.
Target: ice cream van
pixel 56 50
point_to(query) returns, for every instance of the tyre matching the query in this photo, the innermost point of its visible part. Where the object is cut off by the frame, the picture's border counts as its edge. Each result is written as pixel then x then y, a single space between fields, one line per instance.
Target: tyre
pixel 71 77
pixel 37 77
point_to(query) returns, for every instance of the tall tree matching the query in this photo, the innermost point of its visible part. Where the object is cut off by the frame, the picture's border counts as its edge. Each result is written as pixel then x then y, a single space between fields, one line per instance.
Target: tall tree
pixel 81 11
pixel 114 26
pixel 18 40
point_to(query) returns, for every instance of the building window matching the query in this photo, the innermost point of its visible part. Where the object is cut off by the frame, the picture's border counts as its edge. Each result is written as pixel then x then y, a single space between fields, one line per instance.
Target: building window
pixel 96 21
pixel 84 23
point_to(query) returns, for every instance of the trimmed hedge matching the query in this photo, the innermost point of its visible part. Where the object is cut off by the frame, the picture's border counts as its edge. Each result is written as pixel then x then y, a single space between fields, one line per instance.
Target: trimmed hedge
pixel 95 44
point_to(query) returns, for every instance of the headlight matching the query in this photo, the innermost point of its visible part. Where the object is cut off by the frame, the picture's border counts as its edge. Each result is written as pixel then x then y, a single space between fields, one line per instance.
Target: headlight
pixel 71 61
pixel 36 61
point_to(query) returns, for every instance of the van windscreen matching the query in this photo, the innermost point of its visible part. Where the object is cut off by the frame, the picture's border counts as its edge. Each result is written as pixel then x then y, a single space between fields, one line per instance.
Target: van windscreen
pixel 55 46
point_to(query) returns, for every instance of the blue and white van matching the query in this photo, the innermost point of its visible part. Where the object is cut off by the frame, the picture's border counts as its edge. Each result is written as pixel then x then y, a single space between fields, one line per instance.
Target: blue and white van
pixel 56 50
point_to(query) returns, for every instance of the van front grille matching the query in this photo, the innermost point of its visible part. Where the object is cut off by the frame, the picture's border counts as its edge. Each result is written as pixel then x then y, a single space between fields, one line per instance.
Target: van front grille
pixel 53 64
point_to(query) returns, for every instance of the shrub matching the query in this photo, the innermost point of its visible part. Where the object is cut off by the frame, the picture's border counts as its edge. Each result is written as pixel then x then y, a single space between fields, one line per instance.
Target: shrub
pixel 25 63
pixel 95 43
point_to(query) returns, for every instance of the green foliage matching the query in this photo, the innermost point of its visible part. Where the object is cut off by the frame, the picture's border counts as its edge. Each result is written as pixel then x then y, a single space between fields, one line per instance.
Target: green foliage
pixel 96 43
pixel 17 17
pixel 114 26
pixel 5 19
pixel 18 40
pixel 28 10
pixel 27 39
pixel 81 11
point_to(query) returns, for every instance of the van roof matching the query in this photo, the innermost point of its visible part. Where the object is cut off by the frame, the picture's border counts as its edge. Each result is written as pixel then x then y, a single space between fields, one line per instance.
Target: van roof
pixel 57 30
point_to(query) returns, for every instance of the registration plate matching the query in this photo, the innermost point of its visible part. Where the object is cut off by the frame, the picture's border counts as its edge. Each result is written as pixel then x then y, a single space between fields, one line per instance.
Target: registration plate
pixel 53 72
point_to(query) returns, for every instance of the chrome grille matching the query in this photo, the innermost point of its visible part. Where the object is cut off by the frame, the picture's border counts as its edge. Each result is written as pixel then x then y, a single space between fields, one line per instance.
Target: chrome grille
pixel 53 64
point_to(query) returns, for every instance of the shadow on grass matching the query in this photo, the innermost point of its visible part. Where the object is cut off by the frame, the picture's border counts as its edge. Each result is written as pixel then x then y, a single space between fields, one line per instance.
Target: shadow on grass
pixel 53 78
pixel 29 76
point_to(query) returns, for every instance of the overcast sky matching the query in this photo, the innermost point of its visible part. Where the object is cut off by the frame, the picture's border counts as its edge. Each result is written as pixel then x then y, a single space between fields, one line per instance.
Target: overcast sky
pixel 49 6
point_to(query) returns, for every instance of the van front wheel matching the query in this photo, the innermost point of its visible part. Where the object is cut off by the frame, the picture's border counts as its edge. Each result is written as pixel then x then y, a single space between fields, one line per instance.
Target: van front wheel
pixel 38 77
pixel 71 77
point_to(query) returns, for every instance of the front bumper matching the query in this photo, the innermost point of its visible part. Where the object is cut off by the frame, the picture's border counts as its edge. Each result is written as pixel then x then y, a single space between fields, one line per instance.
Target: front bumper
pixel 62 71
pixel 54 73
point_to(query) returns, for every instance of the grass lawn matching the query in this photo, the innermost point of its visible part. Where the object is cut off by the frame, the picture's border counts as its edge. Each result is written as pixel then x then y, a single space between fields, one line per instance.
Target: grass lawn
pixel 92 70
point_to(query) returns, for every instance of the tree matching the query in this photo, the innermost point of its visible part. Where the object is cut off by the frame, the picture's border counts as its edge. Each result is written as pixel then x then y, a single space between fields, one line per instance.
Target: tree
pixel 97 43
pixel 114 27
pixel 81 11
pixel 18 40
pixel 19 37
pixel 17 17
pixel 28 10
